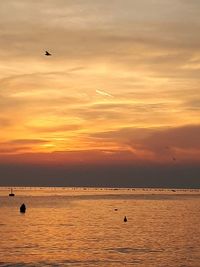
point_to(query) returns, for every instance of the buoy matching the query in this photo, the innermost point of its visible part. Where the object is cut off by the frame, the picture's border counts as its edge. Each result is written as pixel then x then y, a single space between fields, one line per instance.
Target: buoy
pixel 23 208
pixel 11 193
pixel 125 219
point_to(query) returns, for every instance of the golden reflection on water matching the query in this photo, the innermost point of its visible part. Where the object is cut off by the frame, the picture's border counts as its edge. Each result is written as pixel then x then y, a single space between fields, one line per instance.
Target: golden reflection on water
pixel 81 228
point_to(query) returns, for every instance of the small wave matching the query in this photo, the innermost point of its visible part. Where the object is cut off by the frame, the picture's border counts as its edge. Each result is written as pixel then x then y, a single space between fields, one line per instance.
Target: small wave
pixel 134 250
pixel 75 263
pixel 3 264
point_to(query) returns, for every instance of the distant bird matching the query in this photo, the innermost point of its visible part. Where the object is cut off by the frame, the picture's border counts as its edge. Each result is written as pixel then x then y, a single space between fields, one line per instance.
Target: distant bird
pixel 171 152
pixel 23 208
pixel 125 219
pixel 47 53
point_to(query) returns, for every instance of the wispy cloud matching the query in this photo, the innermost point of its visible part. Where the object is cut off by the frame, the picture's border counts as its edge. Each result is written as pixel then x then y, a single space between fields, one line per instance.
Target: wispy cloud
pixel 103 93
pixel 27 141
pixel 182 141
pixel 55 129
pixel 21 145
pixel 4 122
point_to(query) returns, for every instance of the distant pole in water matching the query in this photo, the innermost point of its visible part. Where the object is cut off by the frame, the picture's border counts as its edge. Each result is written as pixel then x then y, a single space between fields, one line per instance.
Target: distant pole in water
pixel 125 219
pixel 11 193
pixel 23 208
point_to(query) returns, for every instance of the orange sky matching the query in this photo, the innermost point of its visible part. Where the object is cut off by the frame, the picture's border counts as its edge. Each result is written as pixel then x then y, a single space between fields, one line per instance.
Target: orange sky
pixel 122 84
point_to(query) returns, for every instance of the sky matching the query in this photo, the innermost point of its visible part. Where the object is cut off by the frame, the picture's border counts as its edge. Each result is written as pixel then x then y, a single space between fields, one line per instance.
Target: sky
pixel 117 103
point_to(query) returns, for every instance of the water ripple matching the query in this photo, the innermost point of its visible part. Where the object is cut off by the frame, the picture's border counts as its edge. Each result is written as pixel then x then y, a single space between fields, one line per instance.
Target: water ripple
pixel 127 250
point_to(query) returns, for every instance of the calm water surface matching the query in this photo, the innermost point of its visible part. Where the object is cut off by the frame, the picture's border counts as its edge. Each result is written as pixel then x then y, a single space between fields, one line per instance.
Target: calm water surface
pixel 80 227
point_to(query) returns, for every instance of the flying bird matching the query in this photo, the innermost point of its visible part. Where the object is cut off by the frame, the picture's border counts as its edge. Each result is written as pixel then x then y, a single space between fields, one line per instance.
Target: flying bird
pixel 171 153
pixel 47 53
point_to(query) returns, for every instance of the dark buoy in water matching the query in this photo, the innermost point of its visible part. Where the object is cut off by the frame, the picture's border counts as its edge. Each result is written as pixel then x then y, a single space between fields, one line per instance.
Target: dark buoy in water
pixel 125 219
pixel 11 193
pixel 23 208
pixel 115 209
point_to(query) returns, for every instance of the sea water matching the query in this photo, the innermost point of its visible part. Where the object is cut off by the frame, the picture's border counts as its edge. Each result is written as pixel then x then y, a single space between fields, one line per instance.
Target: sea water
pixel 85 227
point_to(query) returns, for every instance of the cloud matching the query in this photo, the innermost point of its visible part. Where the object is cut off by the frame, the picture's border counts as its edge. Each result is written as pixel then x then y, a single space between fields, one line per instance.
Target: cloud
pixel 124 134
pixel 4 122
pixel 182 141
pixel 185 137
pixel 20 145
pixel 103 93
pixel 76 32
pixel 27 141
pixel 145 52
pixel 55 129
pixel 193 104
pixel 13 150
pixel 129 112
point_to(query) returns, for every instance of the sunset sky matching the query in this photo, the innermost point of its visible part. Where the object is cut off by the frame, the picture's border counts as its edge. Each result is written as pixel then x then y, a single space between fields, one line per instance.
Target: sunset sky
pixel 120 89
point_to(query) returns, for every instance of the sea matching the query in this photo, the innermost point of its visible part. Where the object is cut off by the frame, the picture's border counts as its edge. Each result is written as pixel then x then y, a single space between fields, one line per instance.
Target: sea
pixel 85 227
